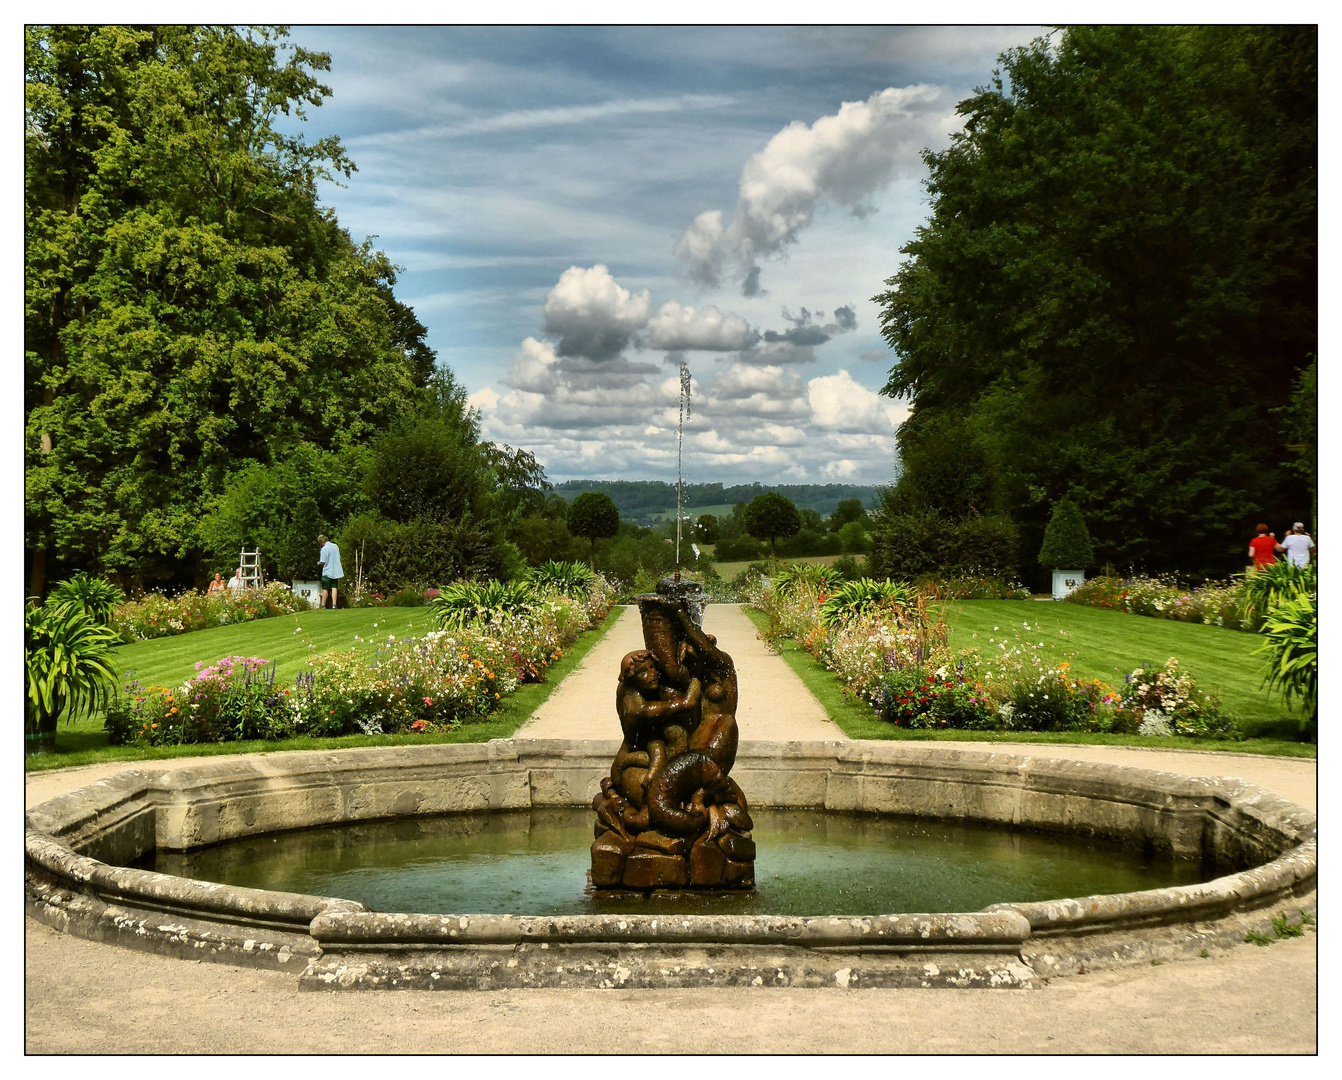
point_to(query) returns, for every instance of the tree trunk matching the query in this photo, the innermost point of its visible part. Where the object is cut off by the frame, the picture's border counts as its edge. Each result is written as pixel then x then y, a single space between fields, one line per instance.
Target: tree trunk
pixel 37 581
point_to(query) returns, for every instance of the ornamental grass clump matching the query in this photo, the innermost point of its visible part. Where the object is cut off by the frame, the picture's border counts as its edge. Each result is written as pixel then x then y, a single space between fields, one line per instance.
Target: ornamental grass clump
pixel 1291 648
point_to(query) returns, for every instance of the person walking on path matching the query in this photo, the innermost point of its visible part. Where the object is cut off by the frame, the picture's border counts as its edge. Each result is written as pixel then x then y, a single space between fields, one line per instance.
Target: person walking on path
pixel 1263 548
pixel 332 571
pixel 1297 545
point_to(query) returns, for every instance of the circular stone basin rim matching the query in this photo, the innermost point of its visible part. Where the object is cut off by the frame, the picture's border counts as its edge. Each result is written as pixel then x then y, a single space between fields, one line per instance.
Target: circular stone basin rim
pixel 72 839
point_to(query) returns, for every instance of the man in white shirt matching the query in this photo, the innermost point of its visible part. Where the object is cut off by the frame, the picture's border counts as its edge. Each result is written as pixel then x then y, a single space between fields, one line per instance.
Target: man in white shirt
pixel 1298 545
pixel 235 582
pixel 332 571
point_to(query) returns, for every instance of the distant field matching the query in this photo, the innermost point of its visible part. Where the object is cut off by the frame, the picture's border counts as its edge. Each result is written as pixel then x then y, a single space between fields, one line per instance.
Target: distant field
pixel 729 570
pixel 717 510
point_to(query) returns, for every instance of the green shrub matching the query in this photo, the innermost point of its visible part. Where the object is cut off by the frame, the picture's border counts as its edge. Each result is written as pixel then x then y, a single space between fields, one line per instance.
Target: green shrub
pixel 912 544
pixel 814 576
pixel 1067 544
pixel 1273 583
pixel 67 660
pixel 464 603
pixel 862 597
pixel 970 585
pixel 96 596
pixel 569 578
pixel 1291 646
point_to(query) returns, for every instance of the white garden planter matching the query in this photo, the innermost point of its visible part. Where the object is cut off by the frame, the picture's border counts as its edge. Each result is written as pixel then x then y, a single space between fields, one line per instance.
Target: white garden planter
pixel 1064 581
pixel 311 591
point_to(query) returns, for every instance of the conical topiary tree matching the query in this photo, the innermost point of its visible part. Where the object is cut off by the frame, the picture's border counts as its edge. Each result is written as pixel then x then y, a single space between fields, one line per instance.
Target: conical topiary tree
pixel 1067 543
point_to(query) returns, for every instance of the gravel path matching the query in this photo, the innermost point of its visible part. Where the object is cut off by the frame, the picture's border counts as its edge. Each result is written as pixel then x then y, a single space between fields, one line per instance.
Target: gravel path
pixel 774 702
pixel 87 998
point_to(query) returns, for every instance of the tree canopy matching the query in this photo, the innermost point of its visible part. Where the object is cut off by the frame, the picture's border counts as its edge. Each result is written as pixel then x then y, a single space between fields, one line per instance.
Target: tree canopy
pixel 593 516
pixel 771 516
pixel 189 307
pixel 1116 290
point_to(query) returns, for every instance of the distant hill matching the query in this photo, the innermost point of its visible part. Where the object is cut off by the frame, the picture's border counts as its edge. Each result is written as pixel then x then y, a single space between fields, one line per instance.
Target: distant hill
pixel 647 500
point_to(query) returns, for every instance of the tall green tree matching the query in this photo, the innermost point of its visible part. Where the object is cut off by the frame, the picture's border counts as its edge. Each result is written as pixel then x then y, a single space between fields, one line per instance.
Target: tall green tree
pixel 1116 288
pixel 593 516
pixel 189 307
pixel 770 517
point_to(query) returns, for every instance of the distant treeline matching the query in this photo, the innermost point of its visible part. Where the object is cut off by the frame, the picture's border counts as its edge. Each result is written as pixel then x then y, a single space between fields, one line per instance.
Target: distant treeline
pixel 639 499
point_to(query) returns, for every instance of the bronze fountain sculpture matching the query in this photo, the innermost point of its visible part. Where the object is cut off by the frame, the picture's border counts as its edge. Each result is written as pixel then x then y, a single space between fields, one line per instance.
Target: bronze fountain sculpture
pixel 669 816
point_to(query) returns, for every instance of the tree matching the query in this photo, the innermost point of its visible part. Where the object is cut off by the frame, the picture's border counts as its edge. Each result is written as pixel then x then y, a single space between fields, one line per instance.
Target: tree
pixel 189 307
pixel 706 528
pixel 592 515
pixel 1067 543
pixel 770 516
pixel 848 511
pixel 1116 288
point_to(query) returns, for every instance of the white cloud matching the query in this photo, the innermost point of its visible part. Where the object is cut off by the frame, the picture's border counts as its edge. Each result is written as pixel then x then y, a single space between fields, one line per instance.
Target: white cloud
pixel 677 327
pixel 840 403
pixel 843 469
pixel 592 314
pixel 533 368
pixel 845 158
pixel 523 119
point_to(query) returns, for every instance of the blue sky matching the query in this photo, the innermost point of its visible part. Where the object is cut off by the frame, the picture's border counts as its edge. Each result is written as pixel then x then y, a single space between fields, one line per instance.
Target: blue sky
pixel 578 209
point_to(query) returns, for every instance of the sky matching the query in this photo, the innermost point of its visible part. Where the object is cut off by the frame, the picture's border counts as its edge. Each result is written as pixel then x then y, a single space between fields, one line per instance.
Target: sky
pixel 579 210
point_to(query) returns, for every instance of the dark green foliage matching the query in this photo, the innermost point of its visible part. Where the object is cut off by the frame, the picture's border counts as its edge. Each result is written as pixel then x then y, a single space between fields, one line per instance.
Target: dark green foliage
pixel 189 307
pixel 1067 543
pixel 738 549
pixel 771 516
pixel 1116 289
pixel 644 500
pixel 279 508
pixel 907 545
pixel 706 529
pixel 849 511
pixel 592 515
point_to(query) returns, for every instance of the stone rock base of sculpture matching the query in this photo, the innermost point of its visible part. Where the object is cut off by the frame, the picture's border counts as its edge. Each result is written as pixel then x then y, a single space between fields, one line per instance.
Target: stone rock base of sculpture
pixel 653 861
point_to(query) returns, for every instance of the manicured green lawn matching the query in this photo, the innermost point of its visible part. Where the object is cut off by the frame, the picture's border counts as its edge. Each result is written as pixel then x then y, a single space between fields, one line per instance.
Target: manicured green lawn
pixel 1095 643
pixel 290 640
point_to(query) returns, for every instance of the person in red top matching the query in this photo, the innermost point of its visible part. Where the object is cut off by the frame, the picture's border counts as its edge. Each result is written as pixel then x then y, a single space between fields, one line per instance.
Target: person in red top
pixel 1263 548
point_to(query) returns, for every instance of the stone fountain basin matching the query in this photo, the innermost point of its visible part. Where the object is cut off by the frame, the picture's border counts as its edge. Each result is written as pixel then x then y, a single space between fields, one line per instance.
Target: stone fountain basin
pixel 77 846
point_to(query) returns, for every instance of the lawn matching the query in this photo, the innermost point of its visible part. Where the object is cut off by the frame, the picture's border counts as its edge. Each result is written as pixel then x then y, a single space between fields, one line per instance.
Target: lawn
pixel 1098 644
pixel 290 639
pixel 729 570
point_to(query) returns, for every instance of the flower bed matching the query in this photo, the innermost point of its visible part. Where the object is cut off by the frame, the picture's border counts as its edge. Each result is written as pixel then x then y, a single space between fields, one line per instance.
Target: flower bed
pixel 155 615
pixel 1217 603
pixel 896 657
pixel 436 682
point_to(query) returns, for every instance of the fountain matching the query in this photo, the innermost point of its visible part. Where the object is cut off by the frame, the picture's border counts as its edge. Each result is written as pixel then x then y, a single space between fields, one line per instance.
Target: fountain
pixel 669 816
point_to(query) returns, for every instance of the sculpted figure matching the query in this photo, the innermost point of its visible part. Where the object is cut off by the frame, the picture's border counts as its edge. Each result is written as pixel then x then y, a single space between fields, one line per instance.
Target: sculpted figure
pixel 669 815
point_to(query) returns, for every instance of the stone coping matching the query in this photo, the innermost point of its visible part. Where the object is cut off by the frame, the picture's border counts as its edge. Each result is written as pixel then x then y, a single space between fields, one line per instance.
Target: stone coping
pixel 73 839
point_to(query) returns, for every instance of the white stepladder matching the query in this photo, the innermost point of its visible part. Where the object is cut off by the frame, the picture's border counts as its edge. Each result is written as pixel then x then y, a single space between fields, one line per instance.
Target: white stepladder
pixel 249 565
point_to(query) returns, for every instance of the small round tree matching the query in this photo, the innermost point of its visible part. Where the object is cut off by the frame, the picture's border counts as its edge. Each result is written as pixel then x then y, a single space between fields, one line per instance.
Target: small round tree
pixel 771 516
pixel 594 517
pixel 1067 543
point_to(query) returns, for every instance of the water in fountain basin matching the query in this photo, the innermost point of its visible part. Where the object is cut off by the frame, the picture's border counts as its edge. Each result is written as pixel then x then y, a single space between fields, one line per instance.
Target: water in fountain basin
pixel 810 862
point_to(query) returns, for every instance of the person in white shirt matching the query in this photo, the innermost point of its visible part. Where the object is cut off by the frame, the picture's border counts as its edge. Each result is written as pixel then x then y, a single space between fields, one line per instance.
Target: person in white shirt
pixel 1298 545
pixel 235 582
pixel 332 571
